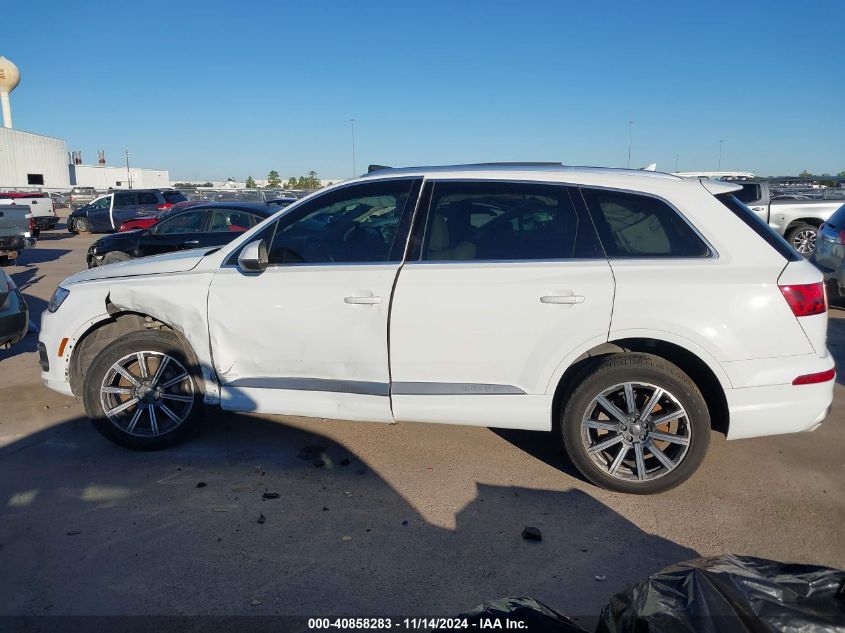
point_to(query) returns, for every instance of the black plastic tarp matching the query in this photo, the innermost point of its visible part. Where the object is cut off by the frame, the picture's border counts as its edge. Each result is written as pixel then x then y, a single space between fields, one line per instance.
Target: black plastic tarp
pixel 724 594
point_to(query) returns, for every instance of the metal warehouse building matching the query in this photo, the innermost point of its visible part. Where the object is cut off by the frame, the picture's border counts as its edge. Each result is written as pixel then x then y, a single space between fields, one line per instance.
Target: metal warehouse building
pixel 103 177
pixel 32 160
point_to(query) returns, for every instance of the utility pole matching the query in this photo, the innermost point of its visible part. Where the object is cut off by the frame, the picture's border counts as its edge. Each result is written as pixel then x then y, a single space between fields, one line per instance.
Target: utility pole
pixel 128 173
pixel 354 170
pixel 719 165
pixel 630 140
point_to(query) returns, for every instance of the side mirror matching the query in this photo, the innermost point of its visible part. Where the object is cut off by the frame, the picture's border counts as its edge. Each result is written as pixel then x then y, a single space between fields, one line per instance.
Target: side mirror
pixel 253 258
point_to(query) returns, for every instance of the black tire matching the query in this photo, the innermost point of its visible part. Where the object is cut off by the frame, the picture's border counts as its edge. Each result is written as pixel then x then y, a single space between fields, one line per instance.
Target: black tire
pixel 71 226
pixel 156 342
pixel 80 225
pixel 613 371
pixel 36 233
pixel 115 256
pixel 4 260
pixel 803 237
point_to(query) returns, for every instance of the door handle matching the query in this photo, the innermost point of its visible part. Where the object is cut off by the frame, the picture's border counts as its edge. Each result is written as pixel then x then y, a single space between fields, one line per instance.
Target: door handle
pixel 367 300
pixel 562 299
pixel 191 243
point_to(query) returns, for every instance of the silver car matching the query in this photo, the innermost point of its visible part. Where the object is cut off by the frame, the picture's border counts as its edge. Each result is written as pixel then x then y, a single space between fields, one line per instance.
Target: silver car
pixel 829 256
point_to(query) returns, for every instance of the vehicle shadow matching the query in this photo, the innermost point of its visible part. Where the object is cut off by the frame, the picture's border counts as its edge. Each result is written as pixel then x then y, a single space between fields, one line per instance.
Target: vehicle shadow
pixel 547 447
pixel 87 527
pixel 30 256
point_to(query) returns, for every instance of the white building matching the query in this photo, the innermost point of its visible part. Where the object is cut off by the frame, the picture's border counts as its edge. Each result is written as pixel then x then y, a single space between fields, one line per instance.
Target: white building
pixel 30 160
pixel 103 177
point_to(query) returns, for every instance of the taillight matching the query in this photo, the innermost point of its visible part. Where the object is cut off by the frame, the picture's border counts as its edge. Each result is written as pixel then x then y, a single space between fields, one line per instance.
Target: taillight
pixel 31 224
pixel 841 237
pixel 812 379
pixel 163 207
pixel 805 299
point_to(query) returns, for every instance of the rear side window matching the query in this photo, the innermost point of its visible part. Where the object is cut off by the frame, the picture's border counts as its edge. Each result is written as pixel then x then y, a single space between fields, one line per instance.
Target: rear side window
pixel 147 197
pixel 489 221
pixel 759 226
pixel 638 226
pixel 172 197
pixel 232 221
pixel 124 199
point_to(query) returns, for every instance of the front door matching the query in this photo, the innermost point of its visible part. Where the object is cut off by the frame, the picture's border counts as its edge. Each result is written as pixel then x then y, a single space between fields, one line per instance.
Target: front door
pixel 99 214
pixel 182 231
pixel 308 335
pixel 510 282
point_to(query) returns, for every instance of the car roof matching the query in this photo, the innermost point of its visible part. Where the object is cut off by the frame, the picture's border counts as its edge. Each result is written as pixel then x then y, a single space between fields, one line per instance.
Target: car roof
pixel 261 208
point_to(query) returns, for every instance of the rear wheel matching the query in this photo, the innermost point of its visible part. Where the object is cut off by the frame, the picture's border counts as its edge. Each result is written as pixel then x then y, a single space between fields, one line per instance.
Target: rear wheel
pixel 803 238
pixel 635 423
pixel 142 391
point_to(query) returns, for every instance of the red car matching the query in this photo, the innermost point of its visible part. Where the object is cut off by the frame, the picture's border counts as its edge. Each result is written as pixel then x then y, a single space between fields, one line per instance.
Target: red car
pixel 148 221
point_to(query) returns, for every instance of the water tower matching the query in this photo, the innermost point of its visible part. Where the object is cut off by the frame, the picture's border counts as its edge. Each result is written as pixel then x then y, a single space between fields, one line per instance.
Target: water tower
pixel 10 77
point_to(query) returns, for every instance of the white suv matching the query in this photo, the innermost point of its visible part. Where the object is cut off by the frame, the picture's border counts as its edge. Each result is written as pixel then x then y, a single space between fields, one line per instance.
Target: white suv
pixel 629 311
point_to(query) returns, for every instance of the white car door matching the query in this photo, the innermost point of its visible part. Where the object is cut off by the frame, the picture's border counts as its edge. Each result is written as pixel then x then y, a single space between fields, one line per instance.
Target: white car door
pixel 308 335
pixel 508 284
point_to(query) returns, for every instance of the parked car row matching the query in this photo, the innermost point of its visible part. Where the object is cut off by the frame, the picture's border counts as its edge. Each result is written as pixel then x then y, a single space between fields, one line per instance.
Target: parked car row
pixel 107 212
pixel 631 312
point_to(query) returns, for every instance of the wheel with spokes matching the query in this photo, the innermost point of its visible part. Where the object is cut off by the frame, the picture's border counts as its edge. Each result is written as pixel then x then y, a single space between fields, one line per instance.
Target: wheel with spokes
pixel 636 423
pixel 141 391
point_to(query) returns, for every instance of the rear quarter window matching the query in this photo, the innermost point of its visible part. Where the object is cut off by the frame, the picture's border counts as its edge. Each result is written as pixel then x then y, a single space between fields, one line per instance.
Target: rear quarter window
pixel 634 225
pixel 759 226
pixel 172 197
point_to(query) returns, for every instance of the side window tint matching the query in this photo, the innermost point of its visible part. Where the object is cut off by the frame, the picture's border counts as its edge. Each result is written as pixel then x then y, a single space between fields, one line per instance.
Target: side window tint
pixel 634 225
pixel 232 221
pixel 190 222
pixel 147 198
pixel 102 203
pixel 124 199
pixel 477 221
pixel 351 224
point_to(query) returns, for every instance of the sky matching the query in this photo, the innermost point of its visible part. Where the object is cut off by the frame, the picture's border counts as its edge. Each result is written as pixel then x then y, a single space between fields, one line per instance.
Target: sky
pixel 214 89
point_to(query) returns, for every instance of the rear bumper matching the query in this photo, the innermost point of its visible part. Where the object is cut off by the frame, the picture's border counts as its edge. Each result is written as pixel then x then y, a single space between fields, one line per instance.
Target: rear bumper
pixel 13 243
pixel 781 408
pixel 45 222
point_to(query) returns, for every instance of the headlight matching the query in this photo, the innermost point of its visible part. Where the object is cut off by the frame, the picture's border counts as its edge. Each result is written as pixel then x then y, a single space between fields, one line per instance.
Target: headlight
pixel 58 298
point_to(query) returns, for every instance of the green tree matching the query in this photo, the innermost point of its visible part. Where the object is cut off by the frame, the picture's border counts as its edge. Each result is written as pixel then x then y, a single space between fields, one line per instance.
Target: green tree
pixel 250 183
pixel 841 174
pixel 273 179
pixel 230 179
pixel 291 183
pixel 805 174
pixel 207 184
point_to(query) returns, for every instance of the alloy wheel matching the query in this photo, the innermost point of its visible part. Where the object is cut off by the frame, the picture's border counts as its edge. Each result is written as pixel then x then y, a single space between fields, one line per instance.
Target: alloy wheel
pixel 636 431
pixel 147 394
pixel 804 241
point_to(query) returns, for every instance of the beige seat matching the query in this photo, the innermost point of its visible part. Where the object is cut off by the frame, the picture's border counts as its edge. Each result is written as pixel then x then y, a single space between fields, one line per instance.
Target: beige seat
pixel 440 248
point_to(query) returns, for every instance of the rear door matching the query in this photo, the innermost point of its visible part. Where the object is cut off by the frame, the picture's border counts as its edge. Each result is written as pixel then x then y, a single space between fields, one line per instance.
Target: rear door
pixel 99 214
pixel 507 282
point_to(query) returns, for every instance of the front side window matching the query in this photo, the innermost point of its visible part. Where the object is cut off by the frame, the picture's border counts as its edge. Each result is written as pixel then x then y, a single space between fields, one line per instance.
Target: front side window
pixel 232 221
pixel 478 221
pixel 189 222
pixel 636 225
pixel 355 224
pixel 102 203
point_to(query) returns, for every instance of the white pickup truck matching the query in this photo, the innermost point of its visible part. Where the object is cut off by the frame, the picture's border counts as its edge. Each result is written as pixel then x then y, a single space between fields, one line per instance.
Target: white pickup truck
pixel 16 231
pixel 40 205
pixel 797 220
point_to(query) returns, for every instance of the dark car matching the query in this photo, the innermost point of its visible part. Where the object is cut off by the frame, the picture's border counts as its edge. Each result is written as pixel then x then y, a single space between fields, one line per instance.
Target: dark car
pixel 14 315
pixel 205 225
pixel 829 256
pixel 107 212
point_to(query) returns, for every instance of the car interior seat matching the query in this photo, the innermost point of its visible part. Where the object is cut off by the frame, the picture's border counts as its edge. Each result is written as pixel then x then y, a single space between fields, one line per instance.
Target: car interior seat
pixel 440 246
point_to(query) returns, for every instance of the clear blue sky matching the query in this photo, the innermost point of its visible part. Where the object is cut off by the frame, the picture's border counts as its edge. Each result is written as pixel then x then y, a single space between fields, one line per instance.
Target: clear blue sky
pixel 214 89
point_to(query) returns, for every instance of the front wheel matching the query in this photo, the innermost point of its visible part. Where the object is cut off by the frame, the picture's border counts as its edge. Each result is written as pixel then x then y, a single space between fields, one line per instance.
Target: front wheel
pixel 635 423
pixel 81 225
pixel 142 391
pixel 803 238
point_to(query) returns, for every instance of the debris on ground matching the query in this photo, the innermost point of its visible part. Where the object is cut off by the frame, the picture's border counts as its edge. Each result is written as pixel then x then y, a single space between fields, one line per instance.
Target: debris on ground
pixel 319 463
pixel 261 518
pixel 345 461
pixel 325 509
pixel 405 523
pixel 346 538
pixel 599 577
pixel 74 532
pixel 531 533
pixel 270 495
pixel 255 603
pixel 201 484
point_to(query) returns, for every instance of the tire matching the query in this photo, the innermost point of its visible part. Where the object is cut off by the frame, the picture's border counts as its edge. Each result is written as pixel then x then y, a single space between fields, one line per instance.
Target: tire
pixel 802 237
pixel 115 256
pixel 36 233
pixel 143 423
pixel 4 260
pixel 605 467
pixel 70 226
pixel 80 225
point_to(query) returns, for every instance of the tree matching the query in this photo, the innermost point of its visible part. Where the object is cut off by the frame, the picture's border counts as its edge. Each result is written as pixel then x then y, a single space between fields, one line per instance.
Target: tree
pixel 841 174
pixel 250 183
pixel 230 179
pixel 291 183
pixel 805 174
pixel 207 184
pixel 273 179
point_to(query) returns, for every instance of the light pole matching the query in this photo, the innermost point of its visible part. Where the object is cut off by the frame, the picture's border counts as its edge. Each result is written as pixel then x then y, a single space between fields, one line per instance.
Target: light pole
pixel 719 165
pixel 354 170
pixel 128 172
pixel 630 140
